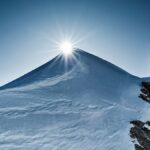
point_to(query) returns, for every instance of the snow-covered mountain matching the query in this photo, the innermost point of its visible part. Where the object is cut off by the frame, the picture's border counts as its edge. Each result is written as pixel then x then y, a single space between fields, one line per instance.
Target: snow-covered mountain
pixel 77 103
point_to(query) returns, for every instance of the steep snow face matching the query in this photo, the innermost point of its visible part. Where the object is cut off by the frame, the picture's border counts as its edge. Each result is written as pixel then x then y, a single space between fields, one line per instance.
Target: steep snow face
pixel 79 103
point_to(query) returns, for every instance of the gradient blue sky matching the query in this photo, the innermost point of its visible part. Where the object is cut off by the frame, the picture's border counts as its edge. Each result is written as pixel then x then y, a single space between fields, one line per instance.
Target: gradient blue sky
pixel 116 30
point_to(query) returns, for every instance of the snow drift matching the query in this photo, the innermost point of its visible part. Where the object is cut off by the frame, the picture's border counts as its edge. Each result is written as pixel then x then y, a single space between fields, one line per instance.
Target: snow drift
pixel 78 103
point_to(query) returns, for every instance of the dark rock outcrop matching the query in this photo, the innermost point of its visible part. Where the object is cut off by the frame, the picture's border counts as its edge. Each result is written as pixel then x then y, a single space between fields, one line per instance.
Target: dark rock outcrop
pixel 145 91
pixel 140 132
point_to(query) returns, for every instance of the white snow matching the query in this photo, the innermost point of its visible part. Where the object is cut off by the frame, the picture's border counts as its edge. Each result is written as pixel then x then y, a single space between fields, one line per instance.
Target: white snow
pixel 85 105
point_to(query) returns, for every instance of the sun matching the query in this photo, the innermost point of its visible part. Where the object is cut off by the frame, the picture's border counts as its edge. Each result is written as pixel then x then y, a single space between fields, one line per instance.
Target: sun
pixel 66 47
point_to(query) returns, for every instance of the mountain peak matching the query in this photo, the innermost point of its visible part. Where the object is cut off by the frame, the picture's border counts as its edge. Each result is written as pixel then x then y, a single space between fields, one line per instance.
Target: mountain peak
pixel 81 98
pixel 61 64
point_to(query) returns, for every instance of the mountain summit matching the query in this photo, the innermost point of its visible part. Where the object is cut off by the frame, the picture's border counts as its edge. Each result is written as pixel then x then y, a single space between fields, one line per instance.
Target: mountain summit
pixel 77 103
pixel 87 64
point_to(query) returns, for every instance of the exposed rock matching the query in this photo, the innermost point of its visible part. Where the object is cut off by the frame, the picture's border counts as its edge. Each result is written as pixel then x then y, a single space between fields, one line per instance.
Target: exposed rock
pixel 137 147
pixel 140 131
pixel 145 91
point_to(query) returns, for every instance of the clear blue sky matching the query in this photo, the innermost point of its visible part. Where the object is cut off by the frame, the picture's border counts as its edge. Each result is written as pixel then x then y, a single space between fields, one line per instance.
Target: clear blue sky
pixel 116 30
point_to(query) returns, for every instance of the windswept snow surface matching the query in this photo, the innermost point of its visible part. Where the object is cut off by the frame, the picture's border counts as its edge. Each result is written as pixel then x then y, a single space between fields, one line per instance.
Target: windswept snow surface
pixel 77 103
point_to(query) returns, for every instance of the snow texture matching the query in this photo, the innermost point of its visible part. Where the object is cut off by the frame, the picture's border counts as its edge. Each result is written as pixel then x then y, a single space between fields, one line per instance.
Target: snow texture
pixel 77 103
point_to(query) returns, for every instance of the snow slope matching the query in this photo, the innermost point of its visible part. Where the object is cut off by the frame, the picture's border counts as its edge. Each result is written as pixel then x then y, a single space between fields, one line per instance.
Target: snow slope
pixel 77 103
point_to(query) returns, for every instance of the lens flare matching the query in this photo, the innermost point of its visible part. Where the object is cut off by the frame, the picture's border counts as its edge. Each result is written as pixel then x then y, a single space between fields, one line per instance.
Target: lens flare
pixel 66 47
